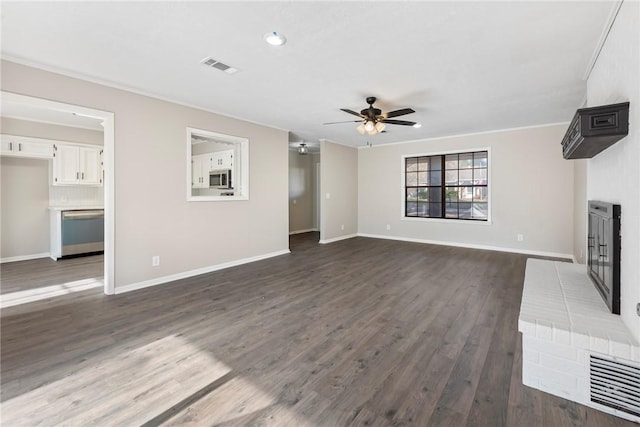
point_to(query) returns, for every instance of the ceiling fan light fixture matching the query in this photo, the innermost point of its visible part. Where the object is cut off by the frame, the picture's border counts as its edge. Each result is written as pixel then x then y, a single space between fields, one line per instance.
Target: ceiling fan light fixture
pixel 369 126
pixel 303 149
pixel 417 125
pixel 380 126
pixel 361 129
pixel 275 39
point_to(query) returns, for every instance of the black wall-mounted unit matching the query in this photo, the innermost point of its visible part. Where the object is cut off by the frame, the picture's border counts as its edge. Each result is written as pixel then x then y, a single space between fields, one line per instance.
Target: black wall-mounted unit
pixel 603 244
pixel 594 129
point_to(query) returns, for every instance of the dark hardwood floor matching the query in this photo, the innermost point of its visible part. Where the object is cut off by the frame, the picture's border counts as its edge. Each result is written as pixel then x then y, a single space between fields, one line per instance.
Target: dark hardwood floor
pixel 358 332
pixel 39 273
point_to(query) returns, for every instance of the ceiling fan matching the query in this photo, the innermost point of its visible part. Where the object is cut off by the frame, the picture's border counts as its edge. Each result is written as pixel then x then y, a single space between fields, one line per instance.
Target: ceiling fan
pixel 373 120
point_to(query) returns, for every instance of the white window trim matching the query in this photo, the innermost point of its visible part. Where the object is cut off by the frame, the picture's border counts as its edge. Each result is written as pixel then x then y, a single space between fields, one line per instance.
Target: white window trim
pixel 403 179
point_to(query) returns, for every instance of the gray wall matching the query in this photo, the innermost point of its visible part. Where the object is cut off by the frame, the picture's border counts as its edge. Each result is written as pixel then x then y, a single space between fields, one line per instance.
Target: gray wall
pixel 339 179
pixel 152 216
pixel 302 192
pixel 20 127
pixel 580 210
pixel 614 175
pixel 24 220
pixel 531 192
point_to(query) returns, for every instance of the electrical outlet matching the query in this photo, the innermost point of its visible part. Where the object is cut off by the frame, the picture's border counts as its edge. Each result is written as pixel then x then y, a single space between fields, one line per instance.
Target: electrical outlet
pixel 342 227
pixel 520 237
pixel 328 195
pixel 155 261
pixel 294 201
pixel 388 226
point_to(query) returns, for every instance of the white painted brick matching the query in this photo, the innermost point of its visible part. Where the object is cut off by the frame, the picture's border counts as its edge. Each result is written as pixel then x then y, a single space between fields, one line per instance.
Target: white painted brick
pixel 527 328
pixel 543 330
pixel 559 350
pixel 531 356
pixel 621 350
pixel 598 344
pixel 569 367
pixel 580 340
pixel 561 336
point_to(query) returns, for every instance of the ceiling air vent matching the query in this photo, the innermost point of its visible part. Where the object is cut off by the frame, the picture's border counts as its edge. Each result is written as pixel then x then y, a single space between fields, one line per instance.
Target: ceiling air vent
pixel 214 63
pixel 615 384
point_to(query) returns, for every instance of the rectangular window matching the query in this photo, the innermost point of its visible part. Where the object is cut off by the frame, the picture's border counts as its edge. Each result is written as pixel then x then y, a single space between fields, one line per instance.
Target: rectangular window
pixel 451 186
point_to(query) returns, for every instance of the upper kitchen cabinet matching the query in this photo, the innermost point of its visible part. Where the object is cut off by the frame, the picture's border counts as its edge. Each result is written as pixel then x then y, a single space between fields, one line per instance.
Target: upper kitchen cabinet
pixel 20 146
pixel 77 165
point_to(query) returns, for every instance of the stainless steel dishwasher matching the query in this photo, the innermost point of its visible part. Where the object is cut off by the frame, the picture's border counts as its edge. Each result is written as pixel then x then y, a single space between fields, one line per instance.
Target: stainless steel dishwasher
pixel 82 231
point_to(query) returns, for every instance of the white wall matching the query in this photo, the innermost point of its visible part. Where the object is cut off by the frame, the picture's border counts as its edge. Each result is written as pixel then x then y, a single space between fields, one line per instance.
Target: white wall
pixel 531 192
pixel 614 175
pixel 152 215
pixel 302 192
pixel 339 180
pixel 24 220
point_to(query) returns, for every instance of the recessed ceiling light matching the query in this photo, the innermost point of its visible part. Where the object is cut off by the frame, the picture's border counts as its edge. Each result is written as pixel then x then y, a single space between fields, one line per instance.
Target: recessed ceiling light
pixel 275 39
pixel 417 125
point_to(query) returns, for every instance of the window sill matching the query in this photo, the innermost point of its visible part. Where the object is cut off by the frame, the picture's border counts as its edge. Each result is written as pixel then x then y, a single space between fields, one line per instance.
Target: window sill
pixel 448 221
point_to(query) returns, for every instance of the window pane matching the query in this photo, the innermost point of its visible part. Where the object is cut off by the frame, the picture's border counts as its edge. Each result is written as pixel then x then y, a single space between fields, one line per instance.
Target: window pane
pixel 435 210
pixel 423 194
pixel 412 209
pixel 466 194
pixel 480 211
pixel 423 163
pixel 465 161
pixel 423 178
pixel 412 194
pixel 464 210
pixel 436 178
pixel 436 163
pixel 466 176
pixel 480 194
pixel 480 159
pixel 412 179
pixel 451 161
pixel 435 194
pixel 451 210
pixel 451 195
pixel 451 177
pixel 422 208
pixel 480 176
pixel 412 164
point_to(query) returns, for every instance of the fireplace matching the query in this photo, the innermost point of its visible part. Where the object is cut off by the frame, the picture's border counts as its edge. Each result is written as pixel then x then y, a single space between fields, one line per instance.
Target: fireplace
pixel 603 245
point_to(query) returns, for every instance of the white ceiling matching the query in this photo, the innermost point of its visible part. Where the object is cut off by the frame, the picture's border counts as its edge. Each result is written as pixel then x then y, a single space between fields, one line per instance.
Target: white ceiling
pixel 463 66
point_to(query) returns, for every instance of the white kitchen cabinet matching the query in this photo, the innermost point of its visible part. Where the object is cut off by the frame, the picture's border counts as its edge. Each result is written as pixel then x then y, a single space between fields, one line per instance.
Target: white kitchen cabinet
pixel 77 165
pixel 222 160
pixel 20 146
pixel 200 171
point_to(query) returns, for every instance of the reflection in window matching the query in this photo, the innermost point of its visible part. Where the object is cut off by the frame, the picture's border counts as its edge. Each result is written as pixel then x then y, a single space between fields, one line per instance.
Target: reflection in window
pixel 453 186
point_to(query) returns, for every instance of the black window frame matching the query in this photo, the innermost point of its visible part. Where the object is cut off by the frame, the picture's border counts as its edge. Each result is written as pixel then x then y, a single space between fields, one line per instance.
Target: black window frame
pixel 428 191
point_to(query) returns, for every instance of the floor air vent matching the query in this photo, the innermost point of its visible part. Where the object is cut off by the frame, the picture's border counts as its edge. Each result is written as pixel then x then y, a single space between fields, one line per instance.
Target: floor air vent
pixel 615 384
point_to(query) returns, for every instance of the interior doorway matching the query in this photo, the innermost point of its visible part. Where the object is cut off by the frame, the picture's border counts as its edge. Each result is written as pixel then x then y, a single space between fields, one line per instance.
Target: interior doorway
pixel 41 113
pixel 304 167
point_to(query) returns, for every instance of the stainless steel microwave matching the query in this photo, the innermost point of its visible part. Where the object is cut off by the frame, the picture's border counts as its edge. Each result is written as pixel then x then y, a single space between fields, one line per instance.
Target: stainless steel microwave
pixel 220 178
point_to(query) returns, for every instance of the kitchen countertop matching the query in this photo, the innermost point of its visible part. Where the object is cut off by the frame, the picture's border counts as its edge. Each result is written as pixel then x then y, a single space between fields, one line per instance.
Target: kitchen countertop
pixel 74 208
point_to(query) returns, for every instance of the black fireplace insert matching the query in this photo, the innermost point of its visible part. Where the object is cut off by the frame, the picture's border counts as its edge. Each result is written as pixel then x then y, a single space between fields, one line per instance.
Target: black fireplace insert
pixel 603 244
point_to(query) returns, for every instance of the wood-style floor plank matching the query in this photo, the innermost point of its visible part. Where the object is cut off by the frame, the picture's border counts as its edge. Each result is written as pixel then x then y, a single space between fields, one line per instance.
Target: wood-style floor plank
pixel 362 332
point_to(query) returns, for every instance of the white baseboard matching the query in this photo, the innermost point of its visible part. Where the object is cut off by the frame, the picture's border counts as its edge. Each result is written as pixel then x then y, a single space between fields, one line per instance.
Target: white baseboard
pixel 24 257
pixel 469 245
pixel 336 239
pixel 307 230
pixel 196 272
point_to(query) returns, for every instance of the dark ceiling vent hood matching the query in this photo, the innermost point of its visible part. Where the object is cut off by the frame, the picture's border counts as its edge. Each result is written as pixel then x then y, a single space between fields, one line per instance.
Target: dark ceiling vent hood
pixel 594 129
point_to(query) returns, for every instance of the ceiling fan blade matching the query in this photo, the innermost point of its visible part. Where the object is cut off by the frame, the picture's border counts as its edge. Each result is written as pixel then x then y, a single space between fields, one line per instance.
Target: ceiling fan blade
pixel 398 122
pixel 346 110
pixel 348 121
pixel 397 113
